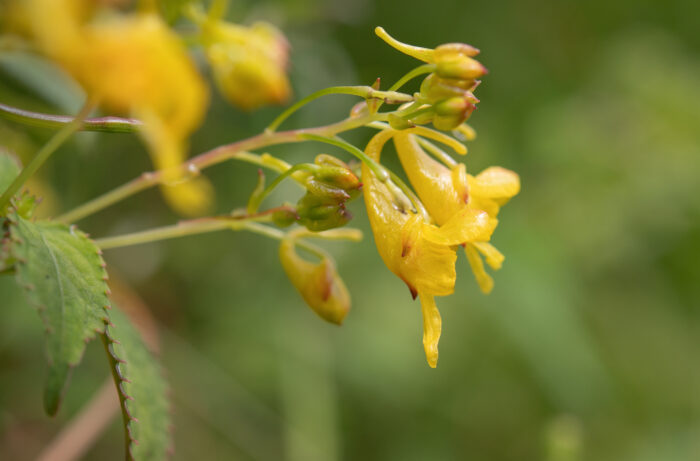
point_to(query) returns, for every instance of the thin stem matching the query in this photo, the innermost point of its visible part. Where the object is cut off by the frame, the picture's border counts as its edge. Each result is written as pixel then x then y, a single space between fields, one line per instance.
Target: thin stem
pixel 213 157
pixel 200 226
pixel 181 229
pixel 376 168
pixel 362 91
pixel 420 70
pixel 143 182
pixel 255 201
pixel 108 124
pixel 44 153
pixel 438 153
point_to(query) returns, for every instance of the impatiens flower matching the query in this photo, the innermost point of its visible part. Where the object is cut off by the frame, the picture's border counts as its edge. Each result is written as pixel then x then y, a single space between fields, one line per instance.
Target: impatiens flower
pixel 249 63
pixel 319 284
pixel 132 64
pixel 418 252
pixel 446 192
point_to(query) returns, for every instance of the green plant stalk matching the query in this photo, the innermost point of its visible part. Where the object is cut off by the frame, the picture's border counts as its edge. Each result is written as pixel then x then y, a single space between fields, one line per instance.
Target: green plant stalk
pixel 106 342
pixel 213 157
pixel 206 225
pixel 366 92
pixel 44 153
pixel 410 75
pixel 106 124
pixel 256 200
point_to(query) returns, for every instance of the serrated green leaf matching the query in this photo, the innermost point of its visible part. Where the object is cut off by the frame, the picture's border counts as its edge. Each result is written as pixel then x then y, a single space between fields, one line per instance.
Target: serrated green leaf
pixel 9 169
pixel 142 391
pixel 64 277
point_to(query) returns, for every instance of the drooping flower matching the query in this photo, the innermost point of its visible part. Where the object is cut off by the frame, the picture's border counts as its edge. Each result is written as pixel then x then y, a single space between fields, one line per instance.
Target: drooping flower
pixel 132 64
pixel 445 192
pixel 319 284
pixel 419 253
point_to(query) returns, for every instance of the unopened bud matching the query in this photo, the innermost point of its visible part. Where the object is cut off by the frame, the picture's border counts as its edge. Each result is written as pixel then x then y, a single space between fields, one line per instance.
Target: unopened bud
pixel 319 284
pixel 336 173
pixel 321 213
pixel 285 217
pixel 249 63
pixel 434 88
pixel 453 50
pixel 451 113
pixel 463 69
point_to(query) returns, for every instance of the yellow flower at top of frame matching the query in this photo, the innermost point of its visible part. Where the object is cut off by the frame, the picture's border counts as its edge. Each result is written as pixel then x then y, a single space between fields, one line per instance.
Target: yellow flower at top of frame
pixel 249 63
pixel 419 253
pixel 133 64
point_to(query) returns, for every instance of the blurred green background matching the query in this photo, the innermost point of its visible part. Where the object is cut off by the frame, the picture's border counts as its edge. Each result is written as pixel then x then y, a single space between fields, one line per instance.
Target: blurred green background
pixel 588 347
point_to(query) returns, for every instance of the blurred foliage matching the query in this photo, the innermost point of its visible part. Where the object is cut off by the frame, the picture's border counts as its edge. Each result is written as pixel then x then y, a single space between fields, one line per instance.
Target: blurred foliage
pixel 587 348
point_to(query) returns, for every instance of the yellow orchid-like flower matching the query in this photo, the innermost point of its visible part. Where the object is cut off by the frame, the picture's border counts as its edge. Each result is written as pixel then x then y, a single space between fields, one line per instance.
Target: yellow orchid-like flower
pixel 132 64
pixel 249 63
pixel 419 253
pixel 319 284
pixel 446 192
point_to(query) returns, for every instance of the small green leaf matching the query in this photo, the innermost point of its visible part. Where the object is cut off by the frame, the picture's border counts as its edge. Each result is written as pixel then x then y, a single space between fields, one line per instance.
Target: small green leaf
pixel 9 169
pixel 142 391
pixel 64 276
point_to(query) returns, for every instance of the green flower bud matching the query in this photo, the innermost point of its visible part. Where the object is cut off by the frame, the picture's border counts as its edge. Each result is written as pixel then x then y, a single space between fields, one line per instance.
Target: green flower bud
pixel 285 217
pixel 322 213
pixel 434 88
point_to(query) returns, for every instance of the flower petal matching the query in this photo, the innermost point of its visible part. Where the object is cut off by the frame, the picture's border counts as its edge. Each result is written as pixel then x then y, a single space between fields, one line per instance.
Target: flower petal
pixel 494 258
pixel 432 328
pixel 467 225
pixel 482 278
pixel 496 182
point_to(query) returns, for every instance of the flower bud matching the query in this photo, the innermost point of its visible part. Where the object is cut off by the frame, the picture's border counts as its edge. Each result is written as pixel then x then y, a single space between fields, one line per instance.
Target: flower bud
pixel 285 217
pixel 249 63
pixel 322 213
pixel 454 60
pixel 434 88
pixel 336 173
pixel 319 284
pixel 449 51
pixel 451 113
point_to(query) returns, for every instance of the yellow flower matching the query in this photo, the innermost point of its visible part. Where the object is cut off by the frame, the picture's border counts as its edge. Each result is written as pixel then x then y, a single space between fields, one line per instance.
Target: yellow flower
pixel 249 63
pixel 445 192
pixel 419 253
pixel 132 64
pixel 319 284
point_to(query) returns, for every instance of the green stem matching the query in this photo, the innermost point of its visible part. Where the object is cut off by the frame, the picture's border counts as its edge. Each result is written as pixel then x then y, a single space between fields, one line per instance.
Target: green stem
pixel 420 70
pixel 108 124
pixel 256 200
pixel 182 229
pixel 44 153
pixel 213 157
pixel 363 91
pixel 205 225
pixel 376 168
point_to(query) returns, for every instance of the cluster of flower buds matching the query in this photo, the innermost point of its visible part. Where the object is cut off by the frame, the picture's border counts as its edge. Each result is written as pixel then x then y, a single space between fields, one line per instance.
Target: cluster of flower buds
pixel 330 184
pixel 446 95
